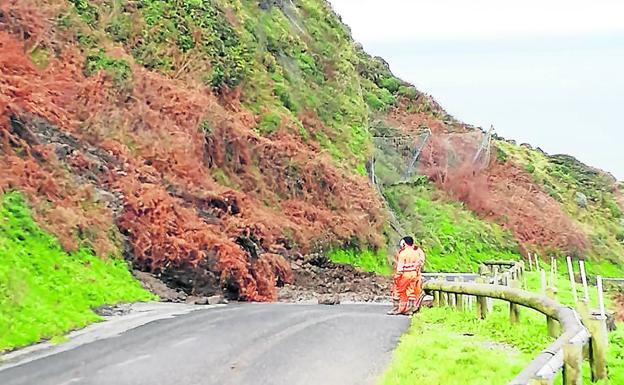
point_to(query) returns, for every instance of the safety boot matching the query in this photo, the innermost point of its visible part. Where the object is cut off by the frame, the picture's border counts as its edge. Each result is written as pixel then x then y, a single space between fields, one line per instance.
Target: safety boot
pixel 395 308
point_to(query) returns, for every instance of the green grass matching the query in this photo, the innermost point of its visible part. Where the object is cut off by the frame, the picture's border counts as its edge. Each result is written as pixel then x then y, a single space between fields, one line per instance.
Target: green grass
pixel 454 239
pixel 444 346
pixel 46 292
pixel 441 333
pixel 615 358
pixel 367 260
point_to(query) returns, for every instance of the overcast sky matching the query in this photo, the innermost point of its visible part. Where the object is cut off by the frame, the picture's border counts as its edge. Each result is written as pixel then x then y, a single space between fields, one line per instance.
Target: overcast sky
pixel 550 73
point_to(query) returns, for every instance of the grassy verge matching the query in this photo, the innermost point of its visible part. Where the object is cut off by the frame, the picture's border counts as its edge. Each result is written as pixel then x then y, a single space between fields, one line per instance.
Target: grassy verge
pixel 615 358
pixel 444 346
pixel 370 261
pixel 45 292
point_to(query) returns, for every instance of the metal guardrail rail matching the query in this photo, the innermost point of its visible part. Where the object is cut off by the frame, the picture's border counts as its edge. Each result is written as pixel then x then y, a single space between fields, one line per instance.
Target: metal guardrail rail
pixel 566 352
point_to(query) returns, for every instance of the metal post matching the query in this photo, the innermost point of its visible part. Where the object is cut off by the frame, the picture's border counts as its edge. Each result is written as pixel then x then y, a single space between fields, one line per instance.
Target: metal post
pixel 600 296
pixel 584 280
pixel 572 281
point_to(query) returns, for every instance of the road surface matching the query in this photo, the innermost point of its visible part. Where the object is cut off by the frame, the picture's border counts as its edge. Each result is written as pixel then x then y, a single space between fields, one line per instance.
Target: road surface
pixel 246 344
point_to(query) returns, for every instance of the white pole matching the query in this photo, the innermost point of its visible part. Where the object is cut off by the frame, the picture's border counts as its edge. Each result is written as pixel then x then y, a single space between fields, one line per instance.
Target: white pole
pixel 543 275
pixel 600 298
pixel 584 280
pixel 530 262
pixel 537 264
pixel 552 272
pixel 572 283
pixel 556 268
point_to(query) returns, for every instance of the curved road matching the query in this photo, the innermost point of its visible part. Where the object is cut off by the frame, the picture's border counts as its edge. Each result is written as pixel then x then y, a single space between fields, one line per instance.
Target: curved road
pixel 246 344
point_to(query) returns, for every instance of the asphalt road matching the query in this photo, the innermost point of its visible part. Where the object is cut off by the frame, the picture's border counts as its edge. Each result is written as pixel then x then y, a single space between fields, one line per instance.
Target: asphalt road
pixel 250 344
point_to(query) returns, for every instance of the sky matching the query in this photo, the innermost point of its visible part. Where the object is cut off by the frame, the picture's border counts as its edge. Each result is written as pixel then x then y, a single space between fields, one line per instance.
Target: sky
pixel 549 73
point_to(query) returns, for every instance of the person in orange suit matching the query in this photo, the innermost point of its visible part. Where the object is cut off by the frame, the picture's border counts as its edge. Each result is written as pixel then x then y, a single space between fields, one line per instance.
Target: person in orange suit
pixel 407 293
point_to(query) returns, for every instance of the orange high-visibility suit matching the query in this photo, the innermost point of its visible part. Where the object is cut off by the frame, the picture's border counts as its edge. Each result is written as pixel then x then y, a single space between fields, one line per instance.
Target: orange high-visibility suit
pixel 407 279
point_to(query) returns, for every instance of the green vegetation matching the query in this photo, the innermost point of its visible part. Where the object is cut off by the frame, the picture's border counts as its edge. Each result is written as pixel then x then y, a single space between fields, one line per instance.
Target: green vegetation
pixel 452 236
pixel 118 69
pixel 367 260
pixel 45 292
pixel 290 59
pixel 484 352
pixel 586 194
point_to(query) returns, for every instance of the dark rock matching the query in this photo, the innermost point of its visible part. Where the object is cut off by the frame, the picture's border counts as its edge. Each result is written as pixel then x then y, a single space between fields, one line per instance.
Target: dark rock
pixel 158 287
pixel 113 310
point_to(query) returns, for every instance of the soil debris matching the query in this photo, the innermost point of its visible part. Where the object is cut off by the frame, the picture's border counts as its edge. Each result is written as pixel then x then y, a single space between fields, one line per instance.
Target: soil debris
pixel 318 279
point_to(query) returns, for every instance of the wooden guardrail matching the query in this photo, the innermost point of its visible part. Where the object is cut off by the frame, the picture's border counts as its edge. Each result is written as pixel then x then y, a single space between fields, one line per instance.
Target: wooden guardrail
pixel 565 353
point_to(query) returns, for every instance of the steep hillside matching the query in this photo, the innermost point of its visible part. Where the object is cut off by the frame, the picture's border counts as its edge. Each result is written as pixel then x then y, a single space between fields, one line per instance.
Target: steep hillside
pixel 211 141
pixel 216 137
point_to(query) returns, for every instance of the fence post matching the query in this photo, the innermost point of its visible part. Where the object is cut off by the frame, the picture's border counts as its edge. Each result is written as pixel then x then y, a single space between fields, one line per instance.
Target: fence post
pixel 553 324
pixel 444 299
pixel 514 313
pixel 582 307
pixel 598 346
pixel 572 364
pixel 514 308
pixel 459 298
pixel 482 307
pixel 436 298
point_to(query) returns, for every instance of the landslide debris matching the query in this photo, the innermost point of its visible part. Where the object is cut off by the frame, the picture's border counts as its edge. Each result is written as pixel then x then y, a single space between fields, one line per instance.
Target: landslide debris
pixel 319 280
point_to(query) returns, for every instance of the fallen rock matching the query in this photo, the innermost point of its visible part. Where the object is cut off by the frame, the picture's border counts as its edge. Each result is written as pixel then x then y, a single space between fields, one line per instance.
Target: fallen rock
pixel 158 287
pixel 216 300
pixel 113 310
pixel 329 300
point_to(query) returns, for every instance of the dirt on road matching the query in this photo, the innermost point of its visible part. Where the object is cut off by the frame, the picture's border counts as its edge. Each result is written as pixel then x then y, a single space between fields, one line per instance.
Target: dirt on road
pixel 318 279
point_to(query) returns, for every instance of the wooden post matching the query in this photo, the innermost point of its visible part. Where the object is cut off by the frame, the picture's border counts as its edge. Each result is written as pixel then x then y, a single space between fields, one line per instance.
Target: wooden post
pixel 582 308
pixel 554 328
pixel 530 262
pixel 572 364
pixel 482 307
pixel 514 309
pixel 444 299
pixel 436 298
pixel 459 304
pixel 552 272
pixel 514 313
pixel 598 346
pixel 543 276
pixel 572 281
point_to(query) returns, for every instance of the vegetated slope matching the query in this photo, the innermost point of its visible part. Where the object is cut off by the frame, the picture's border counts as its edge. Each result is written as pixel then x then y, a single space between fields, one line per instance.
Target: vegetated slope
pixel 216 137
pixel 553 205
pixel 209 141
pixel 45 291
